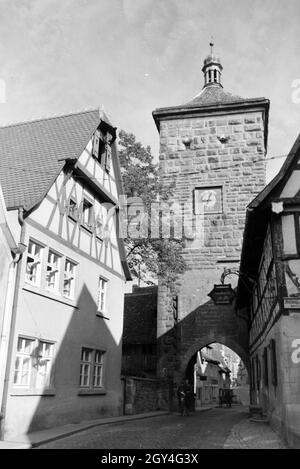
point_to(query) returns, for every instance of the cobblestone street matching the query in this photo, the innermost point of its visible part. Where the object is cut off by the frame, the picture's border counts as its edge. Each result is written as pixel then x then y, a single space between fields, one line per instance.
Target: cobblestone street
pixel 213 429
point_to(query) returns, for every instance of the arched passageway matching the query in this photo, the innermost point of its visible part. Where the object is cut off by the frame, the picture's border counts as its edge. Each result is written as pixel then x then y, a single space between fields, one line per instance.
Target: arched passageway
pixel 214 368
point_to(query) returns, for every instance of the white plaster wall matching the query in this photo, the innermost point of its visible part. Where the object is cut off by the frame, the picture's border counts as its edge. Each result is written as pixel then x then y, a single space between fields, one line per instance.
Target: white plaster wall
pixel 71 328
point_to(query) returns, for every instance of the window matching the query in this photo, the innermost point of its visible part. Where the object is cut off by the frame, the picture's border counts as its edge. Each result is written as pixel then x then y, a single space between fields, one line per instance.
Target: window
pixel 102 289
pixel 23 362
pixel 73 209
pixel 33 263
pixel 96 144
pixel 54 282
pixel 102 148
pixel 85 367
pixel 69 279
pixel 87 213
pixel 91 368
pixel 45 358
pixel 98 367
pixel 33 363
pixel 99 226
pixel 53 271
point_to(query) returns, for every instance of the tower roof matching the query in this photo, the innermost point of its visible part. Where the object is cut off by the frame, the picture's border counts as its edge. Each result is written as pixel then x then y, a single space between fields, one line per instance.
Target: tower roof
pixel 213 98
pixel 214 94
pixel 212 68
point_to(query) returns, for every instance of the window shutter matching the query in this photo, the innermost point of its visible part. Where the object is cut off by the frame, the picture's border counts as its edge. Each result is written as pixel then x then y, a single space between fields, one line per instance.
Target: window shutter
pixel 108 158
pixel 273 362
pixel 253 374
pixel 96 143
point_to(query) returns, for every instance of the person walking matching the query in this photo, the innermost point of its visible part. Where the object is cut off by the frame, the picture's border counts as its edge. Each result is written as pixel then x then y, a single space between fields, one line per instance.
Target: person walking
pixel 181 398
pixel 188 398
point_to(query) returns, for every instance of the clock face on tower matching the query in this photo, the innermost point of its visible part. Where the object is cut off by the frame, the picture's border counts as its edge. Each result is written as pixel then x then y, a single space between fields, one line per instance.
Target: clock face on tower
pixel 208 200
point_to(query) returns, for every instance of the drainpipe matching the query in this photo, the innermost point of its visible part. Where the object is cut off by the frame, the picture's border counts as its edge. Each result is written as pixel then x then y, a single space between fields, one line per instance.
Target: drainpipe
pixel 16 262
pixel 6 322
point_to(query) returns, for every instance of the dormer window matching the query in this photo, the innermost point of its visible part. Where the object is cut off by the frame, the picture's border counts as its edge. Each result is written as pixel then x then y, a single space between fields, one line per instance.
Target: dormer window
pixel 102 148
pixel 98 144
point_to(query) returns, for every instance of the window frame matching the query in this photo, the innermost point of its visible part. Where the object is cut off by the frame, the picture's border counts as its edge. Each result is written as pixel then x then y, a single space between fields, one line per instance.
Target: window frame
pixel 71 296
pixel 39 262
pixel 60 257
pixel 48 359
pixel 93 367
pixel 33 387
pixel 83 363
pixel 21 354
pixel 103 311
pixel 57 291
pixel 102 149
pixel 71 214
pixel 96 366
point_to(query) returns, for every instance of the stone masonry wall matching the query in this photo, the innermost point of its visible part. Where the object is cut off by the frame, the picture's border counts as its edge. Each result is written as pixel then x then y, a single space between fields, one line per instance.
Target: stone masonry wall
pixel 237 165
pixel 146 395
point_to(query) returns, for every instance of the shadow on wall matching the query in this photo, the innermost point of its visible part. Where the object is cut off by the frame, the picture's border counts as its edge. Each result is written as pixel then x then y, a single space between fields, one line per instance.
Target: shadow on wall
pixel 81 387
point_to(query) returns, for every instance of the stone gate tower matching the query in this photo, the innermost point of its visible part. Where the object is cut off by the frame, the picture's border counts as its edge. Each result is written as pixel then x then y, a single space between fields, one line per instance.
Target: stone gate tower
pixel 213 149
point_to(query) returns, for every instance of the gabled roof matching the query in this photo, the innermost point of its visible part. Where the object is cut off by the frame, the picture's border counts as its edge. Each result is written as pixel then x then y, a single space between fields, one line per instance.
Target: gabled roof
pixel 281 176
pixel 257 219
pixel 32 154
pixel 140 313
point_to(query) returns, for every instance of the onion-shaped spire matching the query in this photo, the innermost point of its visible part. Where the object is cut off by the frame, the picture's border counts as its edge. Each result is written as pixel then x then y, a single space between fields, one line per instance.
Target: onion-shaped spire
pixel 212 68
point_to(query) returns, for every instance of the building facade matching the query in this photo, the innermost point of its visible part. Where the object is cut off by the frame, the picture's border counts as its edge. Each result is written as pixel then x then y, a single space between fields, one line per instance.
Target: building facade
pixel 212 150
pixel 211 375
pixel 9 256
pixel 270 291
pixel 61 182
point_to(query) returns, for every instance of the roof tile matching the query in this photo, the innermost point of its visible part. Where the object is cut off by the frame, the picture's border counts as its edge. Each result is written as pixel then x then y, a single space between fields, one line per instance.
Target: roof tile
pixel 33 153
pixel 214 95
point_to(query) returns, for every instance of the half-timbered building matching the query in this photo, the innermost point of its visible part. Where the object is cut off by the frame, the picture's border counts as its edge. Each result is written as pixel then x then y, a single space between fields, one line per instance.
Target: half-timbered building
pixel 61 182
pixel 269 288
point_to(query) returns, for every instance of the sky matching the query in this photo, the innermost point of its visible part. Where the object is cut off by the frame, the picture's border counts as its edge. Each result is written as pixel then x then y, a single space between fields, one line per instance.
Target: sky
pixel 132 56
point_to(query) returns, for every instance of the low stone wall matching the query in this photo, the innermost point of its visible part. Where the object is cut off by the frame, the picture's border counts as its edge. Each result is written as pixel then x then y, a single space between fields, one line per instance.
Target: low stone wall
pixel 146 395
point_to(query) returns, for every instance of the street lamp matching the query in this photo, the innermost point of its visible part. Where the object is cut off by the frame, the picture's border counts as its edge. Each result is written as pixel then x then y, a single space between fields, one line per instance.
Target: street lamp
pixel 223 294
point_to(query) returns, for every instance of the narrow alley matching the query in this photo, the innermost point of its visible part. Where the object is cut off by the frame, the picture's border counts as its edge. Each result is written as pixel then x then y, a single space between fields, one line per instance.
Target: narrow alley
pixel 217 428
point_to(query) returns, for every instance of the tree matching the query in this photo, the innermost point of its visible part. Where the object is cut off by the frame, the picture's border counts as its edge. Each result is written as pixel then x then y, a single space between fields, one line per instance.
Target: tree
pixel 148 257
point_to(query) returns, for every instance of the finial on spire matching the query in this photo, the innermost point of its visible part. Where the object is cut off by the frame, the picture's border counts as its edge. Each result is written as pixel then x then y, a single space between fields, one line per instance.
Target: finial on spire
pixel 211 44
pixel 212 67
